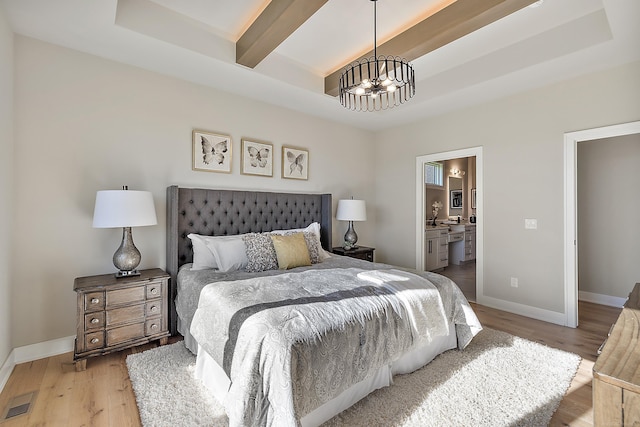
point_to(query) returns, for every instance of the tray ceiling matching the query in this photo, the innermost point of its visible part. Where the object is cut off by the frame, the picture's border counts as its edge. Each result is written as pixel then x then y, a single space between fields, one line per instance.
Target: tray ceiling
pixel 196 40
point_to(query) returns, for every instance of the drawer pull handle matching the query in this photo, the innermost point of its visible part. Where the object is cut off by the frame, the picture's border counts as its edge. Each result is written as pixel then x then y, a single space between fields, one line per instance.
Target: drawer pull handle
pixel 154 308
pixel 605 340
pixel 602 346
pixel 95 300
pixel 94 340
pixel 154 291
pixel 95 320
pixel 154 326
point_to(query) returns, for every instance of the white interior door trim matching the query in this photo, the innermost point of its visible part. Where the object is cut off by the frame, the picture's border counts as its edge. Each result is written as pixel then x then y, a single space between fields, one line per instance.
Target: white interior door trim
pixel 571 140
pixel 421 212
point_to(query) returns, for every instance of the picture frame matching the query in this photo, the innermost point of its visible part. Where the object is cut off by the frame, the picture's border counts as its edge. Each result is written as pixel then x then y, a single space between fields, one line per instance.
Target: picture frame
pixel 257 158
pixel 295 163
pixel 212 152
pixel 473 198
pixel 455 199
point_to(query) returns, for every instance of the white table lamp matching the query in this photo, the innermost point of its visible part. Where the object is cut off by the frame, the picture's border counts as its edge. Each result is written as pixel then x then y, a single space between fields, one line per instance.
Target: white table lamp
pixel 351 210
pixel 124 208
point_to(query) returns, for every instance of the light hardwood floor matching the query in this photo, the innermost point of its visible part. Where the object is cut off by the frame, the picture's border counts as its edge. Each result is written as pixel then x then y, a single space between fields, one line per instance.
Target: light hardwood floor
pixel 102 395
pixel 465 277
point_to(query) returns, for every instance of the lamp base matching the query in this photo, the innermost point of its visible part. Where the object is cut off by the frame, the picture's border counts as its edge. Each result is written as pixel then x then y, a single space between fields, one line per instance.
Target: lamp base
pixel 350 238
pixel 121 274
pixel 127 257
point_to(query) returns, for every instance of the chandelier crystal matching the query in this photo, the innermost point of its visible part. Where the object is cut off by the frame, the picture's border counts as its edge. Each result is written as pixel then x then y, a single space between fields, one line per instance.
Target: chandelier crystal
pixel 376 83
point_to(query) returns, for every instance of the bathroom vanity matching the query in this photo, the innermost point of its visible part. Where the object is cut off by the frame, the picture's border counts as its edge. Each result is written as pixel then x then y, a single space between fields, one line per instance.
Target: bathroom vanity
pixel 449 244
pixel 437 248
pixel 462 243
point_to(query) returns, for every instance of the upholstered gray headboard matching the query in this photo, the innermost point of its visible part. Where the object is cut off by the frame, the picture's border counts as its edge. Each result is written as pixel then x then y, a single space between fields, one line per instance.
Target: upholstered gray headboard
pixel 228 212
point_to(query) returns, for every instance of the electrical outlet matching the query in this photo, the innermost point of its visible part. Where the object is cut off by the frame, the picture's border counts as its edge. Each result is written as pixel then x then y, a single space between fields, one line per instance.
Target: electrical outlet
pixel 531 224
pixel 514 282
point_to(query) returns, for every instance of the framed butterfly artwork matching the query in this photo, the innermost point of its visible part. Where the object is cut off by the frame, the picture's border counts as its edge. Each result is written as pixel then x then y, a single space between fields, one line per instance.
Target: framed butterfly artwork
pixel 257 158
pixel 211 152
pixel 295 163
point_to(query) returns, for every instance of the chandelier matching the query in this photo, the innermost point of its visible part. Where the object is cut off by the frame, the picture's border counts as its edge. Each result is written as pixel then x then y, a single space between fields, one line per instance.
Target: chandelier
pixel 377 83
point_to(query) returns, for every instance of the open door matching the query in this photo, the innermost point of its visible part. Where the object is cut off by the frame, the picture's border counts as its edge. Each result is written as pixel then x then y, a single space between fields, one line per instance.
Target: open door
pixel 422 213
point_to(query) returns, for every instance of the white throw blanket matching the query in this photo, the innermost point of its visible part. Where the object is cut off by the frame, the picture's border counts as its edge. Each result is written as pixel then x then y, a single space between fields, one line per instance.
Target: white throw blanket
pixel 292 342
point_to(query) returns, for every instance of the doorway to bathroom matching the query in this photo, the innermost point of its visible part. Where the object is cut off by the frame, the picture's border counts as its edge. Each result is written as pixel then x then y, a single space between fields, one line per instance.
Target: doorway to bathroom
pixel 459 193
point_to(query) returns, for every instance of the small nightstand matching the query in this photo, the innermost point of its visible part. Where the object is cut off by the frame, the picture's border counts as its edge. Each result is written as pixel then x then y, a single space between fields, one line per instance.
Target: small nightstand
pixel 114 314
pixel 361 252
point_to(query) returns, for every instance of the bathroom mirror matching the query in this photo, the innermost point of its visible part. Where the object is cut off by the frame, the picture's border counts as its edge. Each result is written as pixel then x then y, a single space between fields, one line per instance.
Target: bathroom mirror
pixel 455 193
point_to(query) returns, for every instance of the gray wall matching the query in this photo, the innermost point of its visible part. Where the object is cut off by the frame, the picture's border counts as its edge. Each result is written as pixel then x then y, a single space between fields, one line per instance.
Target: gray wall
pixel 522 138
pixel 608 215
pixel 6 182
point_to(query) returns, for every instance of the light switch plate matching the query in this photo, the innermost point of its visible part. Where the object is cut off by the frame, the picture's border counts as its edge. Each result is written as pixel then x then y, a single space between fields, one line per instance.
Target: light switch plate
pixel 531 224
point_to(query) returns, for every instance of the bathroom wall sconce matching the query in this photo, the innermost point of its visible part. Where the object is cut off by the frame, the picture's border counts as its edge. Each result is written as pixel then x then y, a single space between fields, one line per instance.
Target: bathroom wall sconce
pixel 457 172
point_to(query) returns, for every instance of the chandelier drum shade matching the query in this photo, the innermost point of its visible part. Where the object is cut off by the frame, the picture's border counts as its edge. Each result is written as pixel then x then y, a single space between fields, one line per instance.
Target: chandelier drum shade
pixel 376 83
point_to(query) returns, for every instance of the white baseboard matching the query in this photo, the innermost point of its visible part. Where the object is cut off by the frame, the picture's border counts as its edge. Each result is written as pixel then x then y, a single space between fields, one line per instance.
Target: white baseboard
pixel 601 299
pixel 523 310
pixel 6 369
pixel 32 352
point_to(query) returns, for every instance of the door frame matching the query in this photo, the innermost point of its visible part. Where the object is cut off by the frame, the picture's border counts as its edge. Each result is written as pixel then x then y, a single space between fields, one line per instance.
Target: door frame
pixel 421 211
pixel 571 140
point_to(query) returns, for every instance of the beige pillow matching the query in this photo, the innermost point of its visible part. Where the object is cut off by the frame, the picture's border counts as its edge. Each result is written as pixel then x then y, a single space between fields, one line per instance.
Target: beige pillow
pixel 291 251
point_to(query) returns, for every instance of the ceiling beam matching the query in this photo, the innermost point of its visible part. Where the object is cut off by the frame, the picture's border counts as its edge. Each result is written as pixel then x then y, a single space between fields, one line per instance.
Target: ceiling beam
pixel 276 22
pixel 451 23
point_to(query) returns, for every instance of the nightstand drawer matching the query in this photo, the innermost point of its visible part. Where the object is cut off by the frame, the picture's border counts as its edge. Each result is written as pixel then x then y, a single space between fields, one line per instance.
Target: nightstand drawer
pixel 94 320
pixel 367 256
pixel 94 340
pixel 94 301
pixel 125 296
pixel 153 308
pixel 125 333
pixel 153 326
pixel 154 290
pixel 118 316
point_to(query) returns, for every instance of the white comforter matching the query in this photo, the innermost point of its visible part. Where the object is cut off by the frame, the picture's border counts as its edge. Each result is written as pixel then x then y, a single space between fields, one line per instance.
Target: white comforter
pixel 291 342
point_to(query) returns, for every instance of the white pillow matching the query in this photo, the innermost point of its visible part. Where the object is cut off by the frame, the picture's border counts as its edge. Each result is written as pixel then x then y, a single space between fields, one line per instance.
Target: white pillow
pixel 230 252
pixel 203 258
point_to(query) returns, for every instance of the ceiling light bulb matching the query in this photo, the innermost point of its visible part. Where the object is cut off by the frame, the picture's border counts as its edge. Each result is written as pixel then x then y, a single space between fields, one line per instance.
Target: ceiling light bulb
pixel 366 83
pixel 391 88
pixel 386 82
pixel 374 94
pixel 360 91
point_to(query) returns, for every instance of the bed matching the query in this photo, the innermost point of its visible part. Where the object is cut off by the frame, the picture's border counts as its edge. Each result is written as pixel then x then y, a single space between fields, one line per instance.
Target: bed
pixel 330 362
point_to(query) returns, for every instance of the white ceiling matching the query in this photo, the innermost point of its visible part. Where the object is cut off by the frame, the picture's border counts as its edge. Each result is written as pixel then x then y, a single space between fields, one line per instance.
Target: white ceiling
pixel 195 40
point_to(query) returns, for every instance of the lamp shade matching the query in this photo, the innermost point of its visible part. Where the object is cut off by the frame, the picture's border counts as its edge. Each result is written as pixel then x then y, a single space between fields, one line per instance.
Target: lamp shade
pixel 351 210
pixel 124 208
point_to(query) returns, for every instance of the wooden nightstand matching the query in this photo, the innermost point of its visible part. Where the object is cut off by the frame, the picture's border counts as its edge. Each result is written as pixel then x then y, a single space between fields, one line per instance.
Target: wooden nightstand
pixel 361 252
pixel 114 314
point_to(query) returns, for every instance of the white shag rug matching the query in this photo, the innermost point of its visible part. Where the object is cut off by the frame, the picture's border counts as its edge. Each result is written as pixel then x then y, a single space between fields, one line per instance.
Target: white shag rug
pixel 498 380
